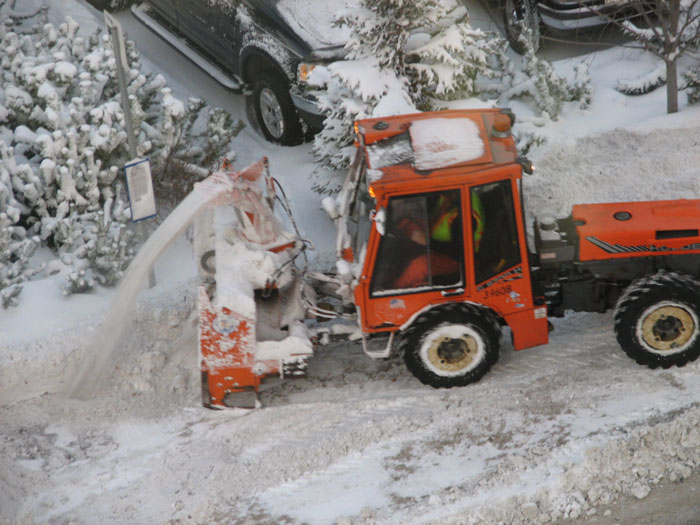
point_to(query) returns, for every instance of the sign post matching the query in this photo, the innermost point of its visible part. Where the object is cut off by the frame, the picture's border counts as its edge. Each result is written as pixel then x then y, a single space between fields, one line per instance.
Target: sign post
pixel 116 35
pixel 138 171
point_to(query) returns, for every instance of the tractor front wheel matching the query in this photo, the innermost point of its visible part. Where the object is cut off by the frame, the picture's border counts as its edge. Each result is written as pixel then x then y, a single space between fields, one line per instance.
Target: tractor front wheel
pixel 657 320
pixel 451 345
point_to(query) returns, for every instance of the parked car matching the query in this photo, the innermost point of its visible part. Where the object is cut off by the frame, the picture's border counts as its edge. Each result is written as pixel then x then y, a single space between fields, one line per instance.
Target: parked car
pixel 559 16
pixel 263 48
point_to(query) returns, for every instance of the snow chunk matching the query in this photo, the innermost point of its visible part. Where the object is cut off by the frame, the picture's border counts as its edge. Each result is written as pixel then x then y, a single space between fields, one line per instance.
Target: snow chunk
pixel 330 205
pixel 394 102
pixel 441 142
pixel 65 70
pixel 16 97
pixel 24 135
pixel 174 106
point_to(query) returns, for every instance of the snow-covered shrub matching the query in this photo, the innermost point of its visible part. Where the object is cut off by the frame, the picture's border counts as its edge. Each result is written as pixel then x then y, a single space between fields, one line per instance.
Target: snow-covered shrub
pixel 582 88
pixel 194 144
pixel 538 79
pixel 668 30
pixel 401 57
pixel 63 143
pixel 691 78
pixel 647 83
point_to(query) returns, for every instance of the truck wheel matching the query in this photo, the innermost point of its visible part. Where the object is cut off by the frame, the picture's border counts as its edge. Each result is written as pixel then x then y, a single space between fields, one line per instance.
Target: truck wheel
pixel 274 111
pixel 657 320
pixel 453 345
pixel 519 14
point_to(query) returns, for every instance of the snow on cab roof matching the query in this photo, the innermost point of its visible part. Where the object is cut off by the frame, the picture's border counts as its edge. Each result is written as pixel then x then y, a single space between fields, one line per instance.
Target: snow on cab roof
pixel 442 142
pixel 430 144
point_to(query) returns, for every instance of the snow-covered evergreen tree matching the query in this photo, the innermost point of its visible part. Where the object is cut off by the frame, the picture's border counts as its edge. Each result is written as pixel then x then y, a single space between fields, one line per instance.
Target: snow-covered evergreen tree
pixel 63 143
pixel 352 90
pixel 454 61
pixel 401 57
pixel 692 82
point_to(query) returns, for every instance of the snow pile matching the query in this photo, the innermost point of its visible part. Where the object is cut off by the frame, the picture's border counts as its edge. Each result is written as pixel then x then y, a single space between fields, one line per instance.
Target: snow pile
pixel 599 174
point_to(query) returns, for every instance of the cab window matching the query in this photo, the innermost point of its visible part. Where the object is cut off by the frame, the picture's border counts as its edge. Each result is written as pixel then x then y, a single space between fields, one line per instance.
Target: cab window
pixel 422 245
pixel 495 235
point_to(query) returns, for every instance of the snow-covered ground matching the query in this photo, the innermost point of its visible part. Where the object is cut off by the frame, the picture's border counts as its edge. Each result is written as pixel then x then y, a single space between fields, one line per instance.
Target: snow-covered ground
pixel 555 432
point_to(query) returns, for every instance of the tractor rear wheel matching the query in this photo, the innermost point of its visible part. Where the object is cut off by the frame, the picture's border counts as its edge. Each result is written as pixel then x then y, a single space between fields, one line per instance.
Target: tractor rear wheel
pixel 657 320
pixel 451 345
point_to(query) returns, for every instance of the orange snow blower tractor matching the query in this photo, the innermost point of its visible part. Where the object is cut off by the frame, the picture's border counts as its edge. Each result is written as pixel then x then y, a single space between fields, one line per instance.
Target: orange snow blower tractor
pixel 433 258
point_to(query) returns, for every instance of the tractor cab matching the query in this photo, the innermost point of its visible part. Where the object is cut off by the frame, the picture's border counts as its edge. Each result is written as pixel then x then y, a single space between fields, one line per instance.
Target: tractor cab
pixel 431 216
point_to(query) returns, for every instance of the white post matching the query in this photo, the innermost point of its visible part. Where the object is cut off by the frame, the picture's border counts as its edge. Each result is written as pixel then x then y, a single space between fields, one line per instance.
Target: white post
pixel 116 35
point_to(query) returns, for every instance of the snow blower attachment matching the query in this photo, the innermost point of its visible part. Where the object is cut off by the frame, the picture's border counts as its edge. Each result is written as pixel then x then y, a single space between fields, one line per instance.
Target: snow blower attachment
pixel 250 299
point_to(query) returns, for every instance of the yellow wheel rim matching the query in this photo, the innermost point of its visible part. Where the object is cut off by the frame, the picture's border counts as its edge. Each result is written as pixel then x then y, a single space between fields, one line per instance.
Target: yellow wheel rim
pixel 667 328
pixel 453 355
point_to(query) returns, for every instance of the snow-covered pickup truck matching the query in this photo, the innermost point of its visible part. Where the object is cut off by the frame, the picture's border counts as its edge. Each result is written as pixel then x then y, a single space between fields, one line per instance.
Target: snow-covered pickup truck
pixel 264 48
pixel 560 16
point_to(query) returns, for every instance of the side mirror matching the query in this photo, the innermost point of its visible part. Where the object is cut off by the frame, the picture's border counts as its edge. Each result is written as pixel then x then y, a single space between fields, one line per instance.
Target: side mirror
pixel 379 218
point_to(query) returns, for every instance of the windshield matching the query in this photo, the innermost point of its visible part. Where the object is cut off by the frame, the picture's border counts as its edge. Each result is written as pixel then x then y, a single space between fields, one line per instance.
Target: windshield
pixel 355 206
pixel 360 207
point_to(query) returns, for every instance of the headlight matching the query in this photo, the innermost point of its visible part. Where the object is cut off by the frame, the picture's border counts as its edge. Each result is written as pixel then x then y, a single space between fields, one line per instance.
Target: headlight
pixel 304 71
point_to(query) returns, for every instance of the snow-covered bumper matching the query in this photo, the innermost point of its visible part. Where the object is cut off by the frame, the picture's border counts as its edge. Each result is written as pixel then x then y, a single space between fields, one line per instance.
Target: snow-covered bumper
pixel 307 107
pixel 569 15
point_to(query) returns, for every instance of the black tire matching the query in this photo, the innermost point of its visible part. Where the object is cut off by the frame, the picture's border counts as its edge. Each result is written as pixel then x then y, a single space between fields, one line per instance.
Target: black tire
pixel 275 113
pixel 516 15
pixel 451 345
pixel 657 320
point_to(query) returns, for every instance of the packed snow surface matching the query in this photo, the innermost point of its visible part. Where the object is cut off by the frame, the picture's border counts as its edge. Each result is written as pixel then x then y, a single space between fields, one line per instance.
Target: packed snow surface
pixel 555 432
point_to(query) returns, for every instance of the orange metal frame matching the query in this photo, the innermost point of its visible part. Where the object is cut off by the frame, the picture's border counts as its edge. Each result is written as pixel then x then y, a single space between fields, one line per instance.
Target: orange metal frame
pixel 619 230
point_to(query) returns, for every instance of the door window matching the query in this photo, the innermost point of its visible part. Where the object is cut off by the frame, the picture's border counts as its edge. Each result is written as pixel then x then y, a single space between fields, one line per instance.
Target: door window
pixel 495 234
pixel 422 246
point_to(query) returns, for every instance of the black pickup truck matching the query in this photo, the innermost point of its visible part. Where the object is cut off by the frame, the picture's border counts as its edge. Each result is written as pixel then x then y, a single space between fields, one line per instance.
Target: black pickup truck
pixel 263 48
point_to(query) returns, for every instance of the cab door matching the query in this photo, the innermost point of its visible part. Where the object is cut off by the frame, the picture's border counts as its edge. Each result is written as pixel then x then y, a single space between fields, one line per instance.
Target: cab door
pixel 415 257
pixel 499 271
